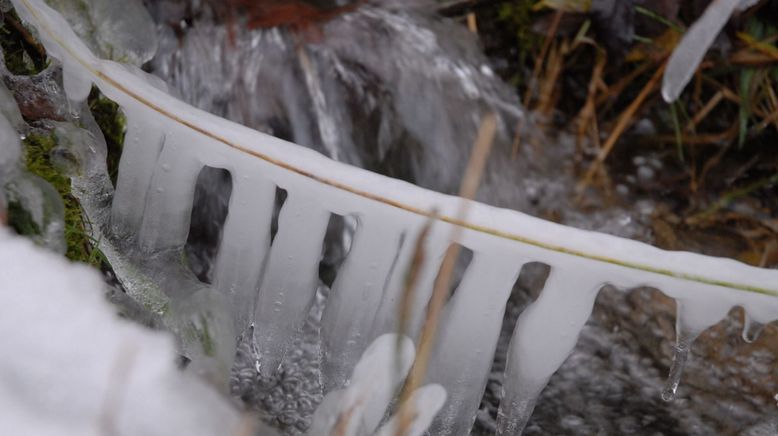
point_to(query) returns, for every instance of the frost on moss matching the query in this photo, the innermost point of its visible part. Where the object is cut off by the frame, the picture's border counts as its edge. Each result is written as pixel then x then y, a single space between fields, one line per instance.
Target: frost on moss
pixel 113 125
pixel 38 154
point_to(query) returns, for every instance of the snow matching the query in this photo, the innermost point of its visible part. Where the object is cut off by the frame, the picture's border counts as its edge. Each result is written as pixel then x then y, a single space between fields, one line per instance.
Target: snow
pixel 72 367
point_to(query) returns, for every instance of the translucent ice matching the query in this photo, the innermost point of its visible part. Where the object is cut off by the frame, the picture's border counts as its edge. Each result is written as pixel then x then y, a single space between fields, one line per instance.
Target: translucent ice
pixel 118 30
pixel 358 409
pixel 695 43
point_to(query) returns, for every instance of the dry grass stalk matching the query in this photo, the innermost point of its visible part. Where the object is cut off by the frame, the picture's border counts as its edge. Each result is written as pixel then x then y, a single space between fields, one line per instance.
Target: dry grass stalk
pixel 705 111
pixel 341 426
pixel 247 425
pixel 468 189
pixel 472 22
pixel 625 120
pixel 549 85
pixel 405 417
pixel 543 52
pixel 589 110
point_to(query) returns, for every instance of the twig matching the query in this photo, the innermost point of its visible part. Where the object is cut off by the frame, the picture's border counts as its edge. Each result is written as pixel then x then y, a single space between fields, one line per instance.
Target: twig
pixel 624 121
pixel 702 113
pixel 468 189
pixel 539 61
pixel 588 111
pixel 404 415
pixel 472 22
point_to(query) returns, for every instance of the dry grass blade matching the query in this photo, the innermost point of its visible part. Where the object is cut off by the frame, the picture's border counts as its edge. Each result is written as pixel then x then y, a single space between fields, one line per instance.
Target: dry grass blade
pixel 549 85
pixel 247 426
pixel 344 419
pixel 468 189
pixel 544 51
pixel 626 118
pixel 588 112
pixel 405 417
pixel 705 111
pixel 472 22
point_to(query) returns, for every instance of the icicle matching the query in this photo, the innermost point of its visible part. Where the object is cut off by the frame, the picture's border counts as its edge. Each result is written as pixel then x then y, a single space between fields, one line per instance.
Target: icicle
pixel 545 335
pixel 751 328
pixel 142 145
pixel 695 43
pixel 387 317
pixel 289 284
pixel 692 318
pixel 169 203
pixel 355 298
pixel 683 344
pixel 245 241
pixel 468 334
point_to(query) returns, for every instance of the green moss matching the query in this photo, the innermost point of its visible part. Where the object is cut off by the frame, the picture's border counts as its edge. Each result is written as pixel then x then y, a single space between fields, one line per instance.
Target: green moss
pixel 113 124
pixel 518 17
pixel 21 220
pixel 37 157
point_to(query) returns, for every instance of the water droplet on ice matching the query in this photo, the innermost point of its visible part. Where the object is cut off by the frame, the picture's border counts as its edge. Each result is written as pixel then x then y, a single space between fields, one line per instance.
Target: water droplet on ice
pixel 751 329
pixel 680 355
pixel 165 167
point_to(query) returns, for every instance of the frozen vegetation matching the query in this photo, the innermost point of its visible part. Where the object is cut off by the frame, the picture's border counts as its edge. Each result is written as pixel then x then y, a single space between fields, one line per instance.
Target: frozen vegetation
pixel 265 286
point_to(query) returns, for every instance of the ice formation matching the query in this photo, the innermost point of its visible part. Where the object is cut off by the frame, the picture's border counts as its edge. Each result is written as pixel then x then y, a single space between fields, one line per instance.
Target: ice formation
pixel 125 34
pixel 695 43
pixel 272 286
pixel 359 408
pixel 35 196
pixel 77 369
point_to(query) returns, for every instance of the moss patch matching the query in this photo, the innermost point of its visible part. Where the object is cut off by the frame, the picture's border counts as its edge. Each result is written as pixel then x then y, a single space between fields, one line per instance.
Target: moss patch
pixel 21 220
pixel 517 18
pixel 113 124
pixel 37 158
